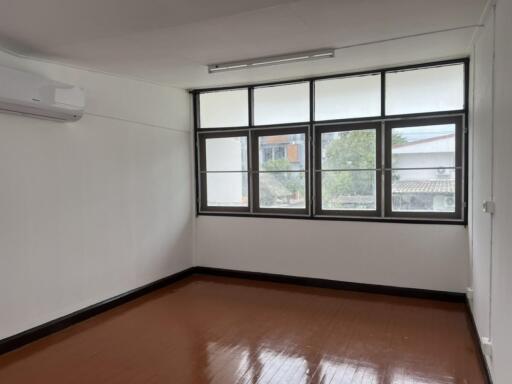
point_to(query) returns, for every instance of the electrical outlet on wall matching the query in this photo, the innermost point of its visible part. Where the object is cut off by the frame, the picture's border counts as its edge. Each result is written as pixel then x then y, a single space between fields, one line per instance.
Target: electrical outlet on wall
pixel 469 294
pixel 488 207
pixel 486 346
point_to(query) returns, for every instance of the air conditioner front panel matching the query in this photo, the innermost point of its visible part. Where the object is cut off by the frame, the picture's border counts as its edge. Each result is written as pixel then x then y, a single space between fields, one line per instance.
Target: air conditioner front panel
pixel 33 95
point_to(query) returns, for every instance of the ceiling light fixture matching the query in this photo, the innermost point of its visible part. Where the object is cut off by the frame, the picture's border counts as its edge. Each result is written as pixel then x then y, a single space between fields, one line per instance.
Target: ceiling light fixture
pixel 272 60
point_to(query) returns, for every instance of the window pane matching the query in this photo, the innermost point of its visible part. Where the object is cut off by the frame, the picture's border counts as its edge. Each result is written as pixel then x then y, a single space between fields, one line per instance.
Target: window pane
pixel 282 152
pixel 281 104
pixel 227 189
pixel 282 190
pixel 349 190
pixel 347 97
pixel 349 149
pixel 226 154
pixel 425 90
pixel 224 108
pixel 424 147
pixel 423 191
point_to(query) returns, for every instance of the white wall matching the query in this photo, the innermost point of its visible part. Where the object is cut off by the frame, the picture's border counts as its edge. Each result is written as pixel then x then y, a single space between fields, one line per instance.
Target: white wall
pixel 481 167
pixel 92 209
pixel 405 255
pixel 501 320
pixel 494 312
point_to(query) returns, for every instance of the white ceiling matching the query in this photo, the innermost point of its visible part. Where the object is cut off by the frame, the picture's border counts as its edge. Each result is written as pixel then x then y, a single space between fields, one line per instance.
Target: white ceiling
pixel 172 41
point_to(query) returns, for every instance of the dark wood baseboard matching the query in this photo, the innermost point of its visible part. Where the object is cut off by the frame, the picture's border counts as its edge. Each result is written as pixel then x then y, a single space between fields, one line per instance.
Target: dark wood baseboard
pixel 16 341
pixel 20 339
pixel 476 339
pixel 335 284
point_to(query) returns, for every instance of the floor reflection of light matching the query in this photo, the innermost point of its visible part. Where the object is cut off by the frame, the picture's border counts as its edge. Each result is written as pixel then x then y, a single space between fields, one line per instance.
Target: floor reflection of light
pixel 227 364
pixel 230 364
pixel 278 367
pixel 403 377
pixel 345 372
pixel 238 364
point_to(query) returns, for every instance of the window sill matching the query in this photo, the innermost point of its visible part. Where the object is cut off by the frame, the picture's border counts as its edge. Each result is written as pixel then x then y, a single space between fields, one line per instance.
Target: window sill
pixel 338 218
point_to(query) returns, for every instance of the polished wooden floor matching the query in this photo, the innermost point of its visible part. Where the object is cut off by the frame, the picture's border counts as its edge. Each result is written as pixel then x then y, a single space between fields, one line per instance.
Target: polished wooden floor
pixel 222 330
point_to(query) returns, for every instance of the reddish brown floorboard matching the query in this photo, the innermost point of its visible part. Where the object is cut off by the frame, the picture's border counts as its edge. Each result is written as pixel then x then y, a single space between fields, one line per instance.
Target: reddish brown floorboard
pixel 224 330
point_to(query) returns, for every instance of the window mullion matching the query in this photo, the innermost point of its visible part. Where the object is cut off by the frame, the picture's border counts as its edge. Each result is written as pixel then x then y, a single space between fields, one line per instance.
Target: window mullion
pixel 250 173
pixel 383 93
pixel 383 147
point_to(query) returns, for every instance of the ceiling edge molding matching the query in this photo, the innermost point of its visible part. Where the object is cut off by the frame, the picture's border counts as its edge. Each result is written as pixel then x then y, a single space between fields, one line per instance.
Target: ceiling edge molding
pixel 485 12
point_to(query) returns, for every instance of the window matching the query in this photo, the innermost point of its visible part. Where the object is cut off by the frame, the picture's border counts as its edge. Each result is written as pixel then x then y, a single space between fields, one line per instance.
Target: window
pixel 224 173
pixel 280 180
pixel 381 145
pixel 347 97
pixel 273 152
pixel 348 169
pixel 280 104
pixel 423 166
pixel 224 108
pixel 430 89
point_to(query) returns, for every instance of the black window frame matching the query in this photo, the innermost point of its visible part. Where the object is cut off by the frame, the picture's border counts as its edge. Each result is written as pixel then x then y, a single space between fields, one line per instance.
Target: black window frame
pixel 255 171
pixel 252 103
pixel 458 218
pixel 203 173
pixel 197 108
pixel 418 122
pixel 348 76
pixel 327 128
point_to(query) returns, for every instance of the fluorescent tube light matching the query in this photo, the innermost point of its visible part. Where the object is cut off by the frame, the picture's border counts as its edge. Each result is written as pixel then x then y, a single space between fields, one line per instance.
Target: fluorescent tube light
pixel 271 60
pixel 228 68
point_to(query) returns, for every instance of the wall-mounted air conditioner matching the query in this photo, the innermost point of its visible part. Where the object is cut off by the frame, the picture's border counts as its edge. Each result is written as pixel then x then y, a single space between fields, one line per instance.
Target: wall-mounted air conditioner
pixel 36 96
